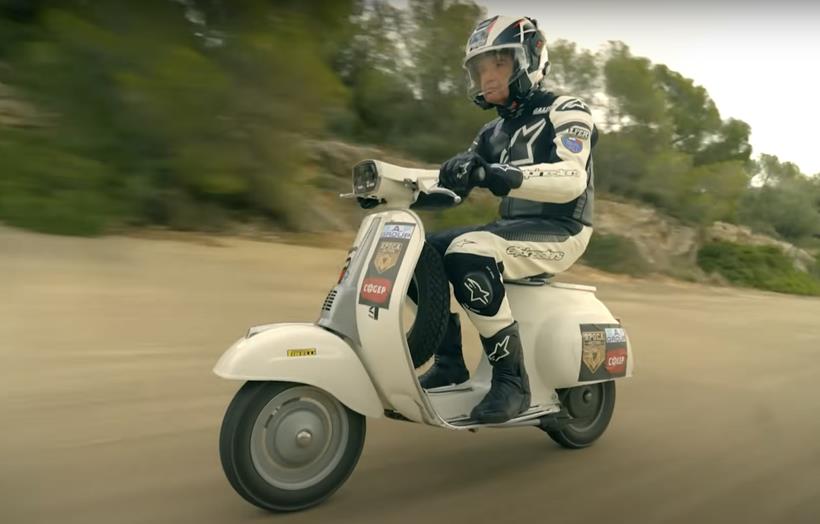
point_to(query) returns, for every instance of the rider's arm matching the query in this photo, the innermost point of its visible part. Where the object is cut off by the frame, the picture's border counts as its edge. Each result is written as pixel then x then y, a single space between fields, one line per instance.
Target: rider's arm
pixel 479 145
pixel 564 178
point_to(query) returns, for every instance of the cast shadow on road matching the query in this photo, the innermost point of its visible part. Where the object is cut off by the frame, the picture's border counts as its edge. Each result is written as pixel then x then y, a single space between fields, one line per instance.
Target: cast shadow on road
pixel 413 478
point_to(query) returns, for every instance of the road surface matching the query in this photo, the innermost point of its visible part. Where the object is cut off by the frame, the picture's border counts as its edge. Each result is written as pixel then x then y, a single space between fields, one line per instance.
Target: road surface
pixel 110 413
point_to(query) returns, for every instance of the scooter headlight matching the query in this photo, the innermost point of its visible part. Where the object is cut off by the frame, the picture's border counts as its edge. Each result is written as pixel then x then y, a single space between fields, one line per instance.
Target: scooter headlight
pixel 365 178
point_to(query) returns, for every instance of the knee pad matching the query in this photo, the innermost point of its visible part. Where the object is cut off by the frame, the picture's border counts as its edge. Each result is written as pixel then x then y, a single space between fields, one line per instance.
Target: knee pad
pixel 476 282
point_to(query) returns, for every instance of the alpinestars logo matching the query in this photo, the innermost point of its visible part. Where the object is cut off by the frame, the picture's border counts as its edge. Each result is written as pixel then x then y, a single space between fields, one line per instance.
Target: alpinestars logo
pixel 476 293
pixel 528 252
pixel 505 168
pixel 573 104
pixel 463 242
pixel 500 351
pixel 533 132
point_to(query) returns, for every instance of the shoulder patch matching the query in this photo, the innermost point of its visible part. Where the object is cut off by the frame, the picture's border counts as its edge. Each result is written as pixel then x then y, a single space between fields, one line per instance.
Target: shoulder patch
pixel 579 129
pixel 573 144
pixel 573 104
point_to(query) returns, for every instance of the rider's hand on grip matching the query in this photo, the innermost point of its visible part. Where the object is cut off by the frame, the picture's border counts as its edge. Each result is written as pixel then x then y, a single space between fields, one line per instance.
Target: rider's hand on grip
pixel 456 173
pixel 500 179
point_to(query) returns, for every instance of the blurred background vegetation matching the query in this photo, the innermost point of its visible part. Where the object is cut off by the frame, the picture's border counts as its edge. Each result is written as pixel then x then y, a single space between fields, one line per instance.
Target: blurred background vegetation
pixel 197 114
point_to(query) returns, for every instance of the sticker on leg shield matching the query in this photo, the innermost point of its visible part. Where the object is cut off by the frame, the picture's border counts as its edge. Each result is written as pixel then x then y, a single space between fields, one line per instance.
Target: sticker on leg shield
pixel 398 230
pixel 603 352
pixel 377 286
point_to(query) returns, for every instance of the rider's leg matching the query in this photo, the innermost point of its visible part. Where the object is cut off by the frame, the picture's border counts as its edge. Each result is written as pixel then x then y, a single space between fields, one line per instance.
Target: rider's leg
pixel 475 263
pixel 479 288
pixel 448 366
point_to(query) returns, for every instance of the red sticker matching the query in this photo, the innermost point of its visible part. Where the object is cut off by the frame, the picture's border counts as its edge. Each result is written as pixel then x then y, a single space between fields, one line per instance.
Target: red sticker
pixel 616 361
pixel 376 290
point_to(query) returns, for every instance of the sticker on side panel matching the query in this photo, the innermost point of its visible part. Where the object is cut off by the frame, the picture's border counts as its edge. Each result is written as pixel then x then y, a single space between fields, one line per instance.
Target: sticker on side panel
pixel 603 352
pixel 377 286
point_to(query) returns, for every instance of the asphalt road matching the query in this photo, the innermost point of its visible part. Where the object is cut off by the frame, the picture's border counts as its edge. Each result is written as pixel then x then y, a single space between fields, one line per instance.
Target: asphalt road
pixel 110 413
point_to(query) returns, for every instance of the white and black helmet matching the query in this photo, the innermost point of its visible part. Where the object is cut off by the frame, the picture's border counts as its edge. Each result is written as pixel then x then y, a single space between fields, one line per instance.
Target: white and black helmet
pixel 523 40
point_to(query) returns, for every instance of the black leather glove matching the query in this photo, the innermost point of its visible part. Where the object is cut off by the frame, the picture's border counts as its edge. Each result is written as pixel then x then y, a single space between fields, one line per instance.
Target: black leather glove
pixel 501 178
pixel 454 174
pixel 457 174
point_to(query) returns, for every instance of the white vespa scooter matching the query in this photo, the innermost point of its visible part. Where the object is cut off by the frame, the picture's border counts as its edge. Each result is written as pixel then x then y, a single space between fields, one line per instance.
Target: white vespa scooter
pixel 295 430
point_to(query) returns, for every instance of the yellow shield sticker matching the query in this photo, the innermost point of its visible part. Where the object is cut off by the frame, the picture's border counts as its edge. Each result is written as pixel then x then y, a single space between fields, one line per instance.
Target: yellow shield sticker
pixel 386 256
pixel 593 351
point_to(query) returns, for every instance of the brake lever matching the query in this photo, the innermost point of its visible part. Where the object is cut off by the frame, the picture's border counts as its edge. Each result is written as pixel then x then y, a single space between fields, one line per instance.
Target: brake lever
pixel 444 191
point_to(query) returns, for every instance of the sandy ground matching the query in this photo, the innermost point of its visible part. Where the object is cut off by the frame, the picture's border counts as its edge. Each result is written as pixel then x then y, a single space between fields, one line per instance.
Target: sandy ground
pixel 110 413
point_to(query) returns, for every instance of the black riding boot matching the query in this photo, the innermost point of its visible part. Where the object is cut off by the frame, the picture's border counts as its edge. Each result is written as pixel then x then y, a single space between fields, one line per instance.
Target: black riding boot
pixel 448 367
pixel 509 393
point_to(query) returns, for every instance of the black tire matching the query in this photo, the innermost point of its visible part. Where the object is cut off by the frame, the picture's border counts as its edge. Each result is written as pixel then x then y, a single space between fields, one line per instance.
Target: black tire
pixel 591 420
pixel 430 291
pixel 236 447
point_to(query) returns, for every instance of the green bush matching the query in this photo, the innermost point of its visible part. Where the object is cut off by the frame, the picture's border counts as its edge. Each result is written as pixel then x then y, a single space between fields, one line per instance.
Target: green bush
pixel 51 190
pixel 480 208
pixel 763 267
pixel 616 254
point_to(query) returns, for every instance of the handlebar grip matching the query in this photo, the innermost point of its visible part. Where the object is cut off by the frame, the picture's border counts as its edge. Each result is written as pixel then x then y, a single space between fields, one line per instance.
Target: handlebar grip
pixel 477 176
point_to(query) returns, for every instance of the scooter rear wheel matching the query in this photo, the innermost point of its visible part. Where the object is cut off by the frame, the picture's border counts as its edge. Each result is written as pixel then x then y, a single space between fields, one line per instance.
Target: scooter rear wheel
pixel 591 406
pixel 286 447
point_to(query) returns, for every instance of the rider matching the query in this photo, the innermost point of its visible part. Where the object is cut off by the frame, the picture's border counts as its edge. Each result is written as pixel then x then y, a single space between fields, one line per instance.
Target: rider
pixel 536 156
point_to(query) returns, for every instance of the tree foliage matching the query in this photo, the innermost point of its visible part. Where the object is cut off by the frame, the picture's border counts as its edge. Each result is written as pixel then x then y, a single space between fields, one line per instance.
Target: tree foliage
pixel 184 120
pixel 190 112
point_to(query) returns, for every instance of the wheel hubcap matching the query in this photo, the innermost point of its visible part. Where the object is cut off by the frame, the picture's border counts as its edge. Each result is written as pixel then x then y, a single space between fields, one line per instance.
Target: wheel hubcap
pixel 298 438
pixel 585 403
pixel 303 438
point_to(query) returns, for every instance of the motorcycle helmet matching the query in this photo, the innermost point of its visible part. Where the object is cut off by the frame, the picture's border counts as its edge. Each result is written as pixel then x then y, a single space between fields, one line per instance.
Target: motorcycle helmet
pixel 518 38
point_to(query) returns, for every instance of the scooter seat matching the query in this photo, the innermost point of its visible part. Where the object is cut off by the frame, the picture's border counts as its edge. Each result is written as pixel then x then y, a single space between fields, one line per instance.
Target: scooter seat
pixel 540 279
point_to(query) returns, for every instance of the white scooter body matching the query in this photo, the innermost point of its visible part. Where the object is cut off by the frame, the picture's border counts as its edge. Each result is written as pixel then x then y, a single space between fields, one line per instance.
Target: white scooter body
pixel 358 351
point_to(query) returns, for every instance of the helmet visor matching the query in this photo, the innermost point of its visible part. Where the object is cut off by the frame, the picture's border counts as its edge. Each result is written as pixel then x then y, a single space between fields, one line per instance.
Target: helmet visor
pixel 495 68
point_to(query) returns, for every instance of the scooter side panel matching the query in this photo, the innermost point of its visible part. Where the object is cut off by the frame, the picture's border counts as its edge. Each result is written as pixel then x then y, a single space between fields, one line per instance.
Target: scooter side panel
pixel 303 353
pixel 553 320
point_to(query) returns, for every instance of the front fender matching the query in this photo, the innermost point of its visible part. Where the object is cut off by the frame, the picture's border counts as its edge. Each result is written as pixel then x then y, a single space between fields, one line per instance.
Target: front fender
pixel 303 353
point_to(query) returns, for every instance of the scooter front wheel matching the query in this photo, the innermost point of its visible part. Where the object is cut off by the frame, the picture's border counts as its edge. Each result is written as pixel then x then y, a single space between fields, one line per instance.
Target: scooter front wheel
pixel 286 447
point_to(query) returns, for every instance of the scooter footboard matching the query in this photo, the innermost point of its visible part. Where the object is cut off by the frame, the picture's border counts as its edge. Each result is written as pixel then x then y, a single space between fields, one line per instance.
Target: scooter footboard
pixel 303 353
